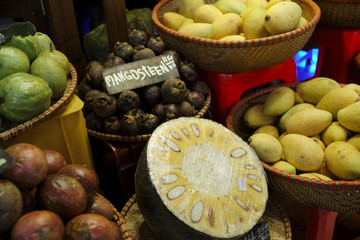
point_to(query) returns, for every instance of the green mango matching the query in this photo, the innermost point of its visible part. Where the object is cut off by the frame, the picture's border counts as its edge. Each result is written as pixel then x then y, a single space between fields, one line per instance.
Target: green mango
pixel 52 72
pixel 28 44
pixel 12 60
pixel 59 57
pixel 23 96
pixel 44 42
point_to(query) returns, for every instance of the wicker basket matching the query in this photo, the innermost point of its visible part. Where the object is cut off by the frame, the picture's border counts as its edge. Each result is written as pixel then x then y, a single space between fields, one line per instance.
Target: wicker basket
pixel 336 196
pixel 143 137
pixel 237 56
pixel 54 108
pixel 275 215
pixel 340 13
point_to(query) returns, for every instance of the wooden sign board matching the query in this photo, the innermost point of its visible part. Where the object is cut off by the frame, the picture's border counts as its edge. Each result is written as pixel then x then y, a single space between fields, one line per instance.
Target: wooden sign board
pixel 139 73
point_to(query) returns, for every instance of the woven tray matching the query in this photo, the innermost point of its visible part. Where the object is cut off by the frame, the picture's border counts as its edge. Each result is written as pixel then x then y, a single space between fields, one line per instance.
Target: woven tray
pixel 340 13
pixel 143 137
pixel 275 215
pixel 236 56
pixel 336 196
pixel 55 107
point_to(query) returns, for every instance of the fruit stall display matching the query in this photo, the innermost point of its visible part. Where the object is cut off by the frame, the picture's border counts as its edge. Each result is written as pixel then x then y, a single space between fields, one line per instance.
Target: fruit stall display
pixel 30 57
pixel 44 197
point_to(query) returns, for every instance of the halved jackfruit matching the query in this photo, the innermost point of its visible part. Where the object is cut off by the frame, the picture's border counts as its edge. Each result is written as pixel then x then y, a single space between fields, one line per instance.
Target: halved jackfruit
pixel 198 180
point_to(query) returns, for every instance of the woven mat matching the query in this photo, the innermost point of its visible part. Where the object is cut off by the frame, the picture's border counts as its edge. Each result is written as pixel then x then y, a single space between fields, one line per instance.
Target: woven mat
pixel 275 215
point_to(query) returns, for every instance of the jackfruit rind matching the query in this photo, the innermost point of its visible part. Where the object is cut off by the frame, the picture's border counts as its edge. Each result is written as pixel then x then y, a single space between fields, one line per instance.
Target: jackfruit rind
pixel 23 96
pixel 198 180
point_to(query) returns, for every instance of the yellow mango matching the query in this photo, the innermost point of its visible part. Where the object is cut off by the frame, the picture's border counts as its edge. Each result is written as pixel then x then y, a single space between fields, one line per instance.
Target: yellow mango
pixel 269 129
pixel 206 13
pixel 308 121
pixel 230 6
pixel 302 152
pixel 288 112
pixel 302 22
pixel 233 38
pixel 319 142
pixel 253 23
pixel 284 166
pixel 173 20
pixel 337 99
pixel 254 117
pixel 227 24
pixel 187 7
pixel 353 86
pixel 313 90
pixel 279 101
pixel 282 17
pixel 355 141
pixel 254 3
pixel 343 160
pixel 204 30
pixel 349 117
pixel 186 22
pixel 315 175
pixel 267 147
pixel 335 132
pixel 273 2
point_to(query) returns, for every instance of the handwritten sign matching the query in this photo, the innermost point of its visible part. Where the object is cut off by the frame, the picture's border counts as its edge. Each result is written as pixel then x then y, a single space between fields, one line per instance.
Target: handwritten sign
pixel 139 73
pixel 259 232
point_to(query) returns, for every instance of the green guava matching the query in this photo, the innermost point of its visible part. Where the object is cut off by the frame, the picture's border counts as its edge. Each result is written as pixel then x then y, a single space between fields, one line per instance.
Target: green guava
pixel 52 72
pixel 44 41
pixel 59 57
pixel 23 96
pixel 28 44
pixel 12 60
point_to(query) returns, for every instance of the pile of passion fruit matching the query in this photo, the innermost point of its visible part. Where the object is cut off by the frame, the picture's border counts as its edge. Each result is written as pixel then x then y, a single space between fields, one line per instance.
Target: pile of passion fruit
pixel 139 111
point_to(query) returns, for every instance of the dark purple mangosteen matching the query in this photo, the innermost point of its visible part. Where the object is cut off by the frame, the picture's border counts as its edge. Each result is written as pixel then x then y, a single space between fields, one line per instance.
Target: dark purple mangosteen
pixel 196 99
pixel 138 37
pixel 128 100
pixel 124 50
pixel 174 90
pixel 157 45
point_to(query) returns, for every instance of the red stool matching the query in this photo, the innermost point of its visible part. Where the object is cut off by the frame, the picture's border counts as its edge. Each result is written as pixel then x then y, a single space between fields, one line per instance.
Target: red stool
pixel 227 88
pixel 337 49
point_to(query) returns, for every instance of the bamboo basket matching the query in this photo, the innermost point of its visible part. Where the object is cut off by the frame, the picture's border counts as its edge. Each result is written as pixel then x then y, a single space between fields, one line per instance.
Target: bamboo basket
pixel 51 111
pixel 236 56
pixel 340 13
pixel 336 196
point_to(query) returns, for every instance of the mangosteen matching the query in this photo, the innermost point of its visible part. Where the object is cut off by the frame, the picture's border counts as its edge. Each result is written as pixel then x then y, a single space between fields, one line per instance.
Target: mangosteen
pixel 159 110
pixel 124 50
pixel 94 75
pixel 113 61
pixel 83 88
pixel 176 55
pixel 172 111
pixel 89 99
pixel 188 72
pixel 151 95
pixel 94 122
pixel 137 113
pixel 128 100
pixel 200 86
pixel 139 47
pixel 138 37
pixel 112 125
pixel 105 106
pixel 143 54
pixel 130 126
pixel 174 90
pixel 186 108
pixel 150 123
pixel 196 99
pixel 91 63
pixel 157 45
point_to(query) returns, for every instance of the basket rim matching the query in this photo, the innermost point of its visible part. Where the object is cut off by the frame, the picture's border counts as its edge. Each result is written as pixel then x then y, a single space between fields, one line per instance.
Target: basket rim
pixel 238 44
pixel 331 185
pixel 54 108
pixel 143 137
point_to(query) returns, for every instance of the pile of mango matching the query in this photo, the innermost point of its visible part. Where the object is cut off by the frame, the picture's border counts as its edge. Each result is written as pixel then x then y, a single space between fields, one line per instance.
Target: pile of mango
pixel 312 130
pixel 235 20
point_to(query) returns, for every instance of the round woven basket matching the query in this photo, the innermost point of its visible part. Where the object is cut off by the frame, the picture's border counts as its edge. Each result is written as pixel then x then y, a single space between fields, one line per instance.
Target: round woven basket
pixel 275 215
pixel 340 13
pixel 236 56
pixel 54 108
pixel 143 137
pixel 336 196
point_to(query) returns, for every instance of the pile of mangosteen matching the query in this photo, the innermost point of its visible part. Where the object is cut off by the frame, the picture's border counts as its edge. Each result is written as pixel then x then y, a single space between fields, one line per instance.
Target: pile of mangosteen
pixel 141 110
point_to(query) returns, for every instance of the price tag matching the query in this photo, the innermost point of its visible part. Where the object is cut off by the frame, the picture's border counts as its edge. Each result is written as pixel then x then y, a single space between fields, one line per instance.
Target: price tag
pixel 139 73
